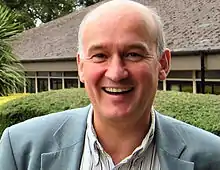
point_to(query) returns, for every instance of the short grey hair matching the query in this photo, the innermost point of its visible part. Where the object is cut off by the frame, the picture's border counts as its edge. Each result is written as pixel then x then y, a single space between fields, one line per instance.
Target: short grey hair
pixel 160 39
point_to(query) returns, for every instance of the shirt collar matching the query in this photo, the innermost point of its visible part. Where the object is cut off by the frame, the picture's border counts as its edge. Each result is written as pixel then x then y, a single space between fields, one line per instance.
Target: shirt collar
pixel 96 147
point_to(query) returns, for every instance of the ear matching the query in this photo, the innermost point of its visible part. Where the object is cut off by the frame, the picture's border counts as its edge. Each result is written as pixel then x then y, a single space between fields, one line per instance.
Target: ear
pixel 165 63
pixel 80 68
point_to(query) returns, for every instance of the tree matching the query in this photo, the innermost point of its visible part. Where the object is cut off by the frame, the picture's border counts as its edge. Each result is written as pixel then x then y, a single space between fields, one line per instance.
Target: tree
pixel 44 10
pixel 11 72
pixel 88 2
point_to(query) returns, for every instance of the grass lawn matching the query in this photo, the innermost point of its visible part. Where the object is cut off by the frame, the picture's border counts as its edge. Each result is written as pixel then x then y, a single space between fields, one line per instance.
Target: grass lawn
pixel 5 99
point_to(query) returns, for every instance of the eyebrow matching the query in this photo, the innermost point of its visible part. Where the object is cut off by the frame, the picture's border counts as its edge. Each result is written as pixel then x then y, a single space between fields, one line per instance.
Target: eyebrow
pixel 96 47
pixel 136 45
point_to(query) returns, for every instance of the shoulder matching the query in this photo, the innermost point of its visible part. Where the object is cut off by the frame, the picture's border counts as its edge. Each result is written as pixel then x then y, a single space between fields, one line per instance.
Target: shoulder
pixel 42 128
pixel 200 144
pixel 26 141
pixel 190 133
pixel 48 122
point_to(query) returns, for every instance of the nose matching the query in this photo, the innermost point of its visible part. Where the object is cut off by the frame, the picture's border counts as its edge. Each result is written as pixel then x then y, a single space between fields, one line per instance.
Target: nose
pixel 116 70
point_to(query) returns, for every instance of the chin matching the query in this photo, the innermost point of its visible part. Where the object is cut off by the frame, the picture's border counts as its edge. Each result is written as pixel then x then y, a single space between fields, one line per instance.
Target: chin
pixel 116 113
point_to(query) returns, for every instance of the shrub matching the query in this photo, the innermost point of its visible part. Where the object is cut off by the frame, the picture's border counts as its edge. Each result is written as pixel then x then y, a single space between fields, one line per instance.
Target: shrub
pixel 39 104
pixel 197 109
pixel 201 110
pixel 5 99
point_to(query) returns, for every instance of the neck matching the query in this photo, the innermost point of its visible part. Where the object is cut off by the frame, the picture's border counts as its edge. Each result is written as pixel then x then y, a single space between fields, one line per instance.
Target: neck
pixel 120 138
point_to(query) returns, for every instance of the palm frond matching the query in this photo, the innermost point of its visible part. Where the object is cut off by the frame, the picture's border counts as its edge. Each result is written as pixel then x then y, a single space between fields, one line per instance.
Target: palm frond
pixel 11 71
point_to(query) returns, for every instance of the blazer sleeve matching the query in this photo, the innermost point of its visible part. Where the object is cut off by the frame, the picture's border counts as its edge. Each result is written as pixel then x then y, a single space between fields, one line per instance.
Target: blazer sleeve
pixel 7 160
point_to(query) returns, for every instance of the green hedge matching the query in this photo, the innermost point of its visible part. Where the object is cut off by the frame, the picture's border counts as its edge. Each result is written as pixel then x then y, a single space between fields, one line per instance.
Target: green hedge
pixel 200 110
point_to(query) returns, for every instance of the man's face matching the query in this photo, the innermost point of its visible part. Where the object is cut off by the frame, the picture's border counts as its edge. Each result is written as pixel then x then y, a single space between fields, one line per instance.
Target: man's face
pixel 120 67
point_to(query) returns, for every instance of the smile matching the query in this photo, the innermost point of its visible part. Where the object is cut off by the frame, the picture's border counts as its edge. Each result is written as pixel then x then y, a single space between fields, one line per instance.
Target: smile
pixel 117 91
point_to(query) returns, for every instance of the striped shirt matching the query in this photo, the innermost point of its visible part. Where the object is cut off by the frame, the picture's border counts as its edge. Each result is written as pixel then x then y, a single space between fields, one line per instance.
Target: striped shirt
pixel 143 157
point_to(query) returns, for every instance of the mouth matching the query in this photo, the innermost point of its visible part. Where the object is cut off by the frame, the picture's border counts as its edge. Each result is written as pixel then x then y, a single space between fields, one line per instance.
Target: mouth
pixel 117 91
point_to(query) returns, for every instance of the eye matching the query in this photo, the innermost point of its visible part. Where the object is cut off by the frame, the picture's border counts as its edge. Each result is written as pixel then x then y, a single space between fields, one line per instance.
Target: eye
pixel 98 58
pixel 133 56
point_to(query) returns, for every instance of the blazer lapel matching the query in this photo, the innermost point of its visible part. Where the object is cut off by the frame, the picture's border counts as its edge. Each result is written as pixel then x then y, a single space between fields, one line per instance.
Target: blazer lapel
pixel 170 145
pixel 70 140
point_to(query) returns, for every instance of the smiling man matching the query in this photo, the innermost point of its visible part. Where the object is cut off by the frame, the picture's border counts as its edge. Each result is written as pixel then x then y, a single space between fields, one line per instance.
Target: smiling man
pixel 120 64
pixel 121 57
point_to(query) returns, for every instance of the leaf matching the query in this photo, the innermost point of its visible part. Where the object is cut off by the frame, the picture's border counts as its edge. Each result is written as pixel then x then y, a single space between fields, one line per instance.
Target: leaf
pixel 11 71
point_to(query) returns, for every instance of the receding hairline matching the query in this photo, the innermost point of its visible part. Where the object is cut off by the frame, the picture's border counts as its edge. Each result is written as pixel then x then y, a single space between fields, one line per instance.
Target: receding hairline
pixel 116 5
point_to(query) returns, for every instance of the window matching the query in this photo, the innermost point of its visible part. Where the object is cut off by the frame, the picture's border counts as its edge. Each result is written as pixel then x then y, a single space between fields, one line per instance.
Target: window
pixel 71 74
pixel 216 88
pixel 55 84
pixel 30 85
pixel 182 86
pixel 186 87
pixel 30 74
pixel 175 87
pixel 42 73
pixel 71 83
pixel 180 74
pixel 160 85
pixel 82 85
pixel 210 87
pixel 42 84
pixel 209 74
pixel 56 74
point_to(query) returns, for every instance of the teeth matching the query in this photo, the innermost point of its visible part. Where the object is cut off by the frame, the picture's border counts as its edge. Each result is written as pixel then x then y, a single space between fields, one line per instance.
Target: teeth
pixel 117 90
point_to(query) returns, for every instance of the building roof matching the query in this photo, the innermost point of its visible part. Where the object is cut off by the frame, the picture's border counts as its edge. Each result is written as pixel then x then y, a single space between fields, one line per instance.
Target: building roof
pixel 189 25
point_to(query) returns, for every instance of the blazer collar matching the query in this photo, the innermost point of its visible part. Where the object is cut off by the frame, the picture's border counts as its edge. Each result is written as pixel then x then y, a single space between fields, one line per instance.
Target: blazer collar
pixel 170 145
pixel 74 126
pixel 69 138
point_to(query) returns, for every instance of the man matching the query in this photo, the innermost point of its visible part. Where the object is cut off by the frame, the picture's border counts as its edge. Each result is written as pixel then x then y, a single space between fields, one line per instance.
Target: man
pixel 120 60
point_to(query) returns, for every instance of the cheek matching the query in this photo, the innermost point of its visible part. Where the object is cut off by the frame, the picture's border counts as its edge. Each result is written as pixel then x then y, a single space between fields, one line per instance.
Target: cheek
pixel 93 74
pixel 146 73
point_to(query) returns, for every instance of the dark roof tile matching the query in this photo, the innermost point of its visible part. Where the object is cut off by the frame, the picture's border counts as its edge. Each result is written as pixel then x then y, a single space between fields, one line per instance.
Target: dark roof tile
pixel 188 25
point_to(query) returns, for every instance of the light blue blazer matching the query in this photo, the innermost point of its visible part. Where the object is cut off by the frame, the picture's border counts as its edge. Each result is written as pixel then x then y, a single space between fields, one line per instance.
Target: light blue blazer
pixel 55 142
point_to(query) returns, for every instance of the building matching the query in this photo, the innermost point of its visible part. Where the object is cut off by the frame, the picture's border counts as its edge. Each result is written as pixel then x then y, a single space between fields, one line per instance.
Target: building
pixel 192 30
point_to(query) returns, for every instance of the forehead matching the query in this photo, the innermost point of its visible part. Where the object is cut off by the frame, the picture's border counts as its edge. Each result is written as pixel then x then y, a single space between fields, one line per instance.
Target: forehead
pixel 119 25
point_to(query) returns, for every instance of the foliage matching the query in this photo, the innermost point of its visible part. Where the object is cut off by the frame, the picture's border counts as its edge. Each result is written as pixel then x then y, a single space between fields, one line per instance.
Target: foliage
pixel 45 11
pixel 10 97
pixel 30 11
pixel 88 2
pixel 200 110
pixel 11 71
